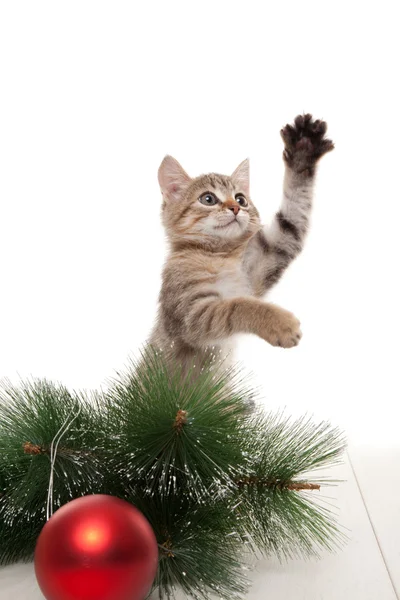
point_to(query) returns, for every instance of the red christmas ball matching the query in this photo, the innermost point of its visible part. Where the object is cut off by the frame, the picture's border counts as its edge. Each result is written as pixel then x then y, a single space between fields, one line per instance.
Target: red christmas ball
pixel 96 548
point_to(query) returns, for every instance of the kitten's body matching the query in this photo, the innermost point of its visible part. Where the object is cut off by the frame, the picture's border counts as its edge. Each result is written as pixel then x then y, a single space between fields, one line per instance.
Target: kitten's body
pixel 222 261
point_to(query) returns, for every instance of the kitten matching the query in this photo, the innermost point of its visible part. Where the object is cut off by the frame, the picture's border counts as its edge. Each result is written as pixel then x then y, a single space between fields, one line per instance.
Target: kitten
pixel 222 260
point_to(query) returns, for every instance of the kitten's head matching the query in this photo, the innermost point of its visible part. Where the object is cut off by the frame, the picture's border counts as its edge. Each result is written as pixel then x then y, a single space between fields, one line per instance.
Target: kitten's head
pixel 211 209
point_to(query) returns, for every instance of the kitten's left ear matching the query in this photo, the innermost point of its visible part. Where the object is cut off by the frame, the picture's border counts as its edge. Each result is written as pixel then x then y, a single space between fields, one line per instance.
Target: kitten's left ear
pixel 172 179
pixel 241 176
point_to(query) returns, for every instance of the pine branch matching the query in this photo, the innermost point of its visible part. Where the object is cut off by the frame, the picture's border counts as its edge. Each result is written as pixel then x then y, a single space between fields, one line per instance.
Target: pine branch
pixel 176 434
pixel 277 516
pixel 211 478
pixel 200 550
pixel 30 417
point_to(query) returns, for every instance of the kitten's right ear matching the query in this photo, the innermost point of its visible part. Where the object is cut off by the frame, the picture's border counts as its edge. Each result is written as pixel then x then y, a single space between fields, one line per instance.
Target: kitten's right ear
pixel 241 176
pixel 172 179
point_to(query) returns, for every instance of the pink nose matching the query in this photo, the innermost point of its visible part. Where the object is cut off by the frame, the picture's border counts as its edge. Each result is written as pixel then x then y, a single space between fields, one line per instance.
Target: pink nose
pixel 232 205
pixel 235 209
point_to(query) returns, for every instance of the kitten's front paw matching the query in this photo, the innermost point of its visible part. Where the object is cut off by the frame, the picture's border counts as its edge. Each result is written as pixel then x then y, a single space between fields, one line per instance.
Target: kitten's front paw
pixel 282 329
pixel 305 143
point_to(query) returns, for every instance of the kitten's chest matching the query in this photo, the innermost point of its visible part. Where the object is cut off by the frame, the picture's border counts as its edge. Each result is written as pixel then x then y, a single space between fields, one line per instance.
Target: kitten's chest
pixel 231 281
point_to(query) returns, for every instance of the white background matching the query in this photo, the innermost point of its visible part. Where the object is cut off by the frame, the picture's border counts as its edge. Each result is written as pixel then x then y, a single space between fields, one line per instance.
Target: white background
pixel 93 94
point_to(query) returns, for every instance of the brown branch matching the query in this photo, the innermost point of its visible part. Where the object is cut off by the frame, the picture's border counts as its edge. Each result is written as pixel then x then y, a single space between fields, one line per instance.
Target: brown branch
pixel 277 484
pixel 166 549
pixel 180 419
pixel 302 485
pixel 36 449
pixel 33 449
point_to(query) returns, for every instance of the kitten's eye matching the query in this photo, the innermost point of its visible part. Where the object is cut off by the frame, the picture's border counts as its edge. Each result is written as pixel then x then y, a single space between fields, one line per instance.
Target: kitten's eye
pixel 241 199
pixel 208 199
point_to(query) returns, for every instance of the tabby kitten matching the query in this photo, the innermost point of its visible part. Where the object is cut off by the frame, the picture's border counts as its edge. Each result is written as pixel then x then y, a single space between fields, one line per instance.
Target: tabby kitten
pixel 222 260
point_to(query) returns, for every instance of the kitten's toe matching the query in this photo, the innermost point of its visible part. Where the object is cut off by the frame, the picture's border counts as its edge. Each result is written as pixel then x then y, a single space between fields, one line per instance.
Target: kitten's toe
pixel 285 332
pixel 291 336
pixel 291 341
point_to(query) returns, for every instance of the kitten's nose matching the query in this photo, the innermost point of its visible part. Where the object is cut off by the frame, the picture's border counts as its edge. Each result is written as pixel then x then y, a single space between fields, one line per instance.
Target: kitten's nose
pixel 232 205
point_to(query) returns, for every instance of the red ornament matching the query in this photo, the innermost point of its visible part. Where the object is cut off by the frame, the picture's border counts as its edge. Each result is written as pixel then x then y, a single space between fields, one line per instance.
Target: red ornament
pixel 96 548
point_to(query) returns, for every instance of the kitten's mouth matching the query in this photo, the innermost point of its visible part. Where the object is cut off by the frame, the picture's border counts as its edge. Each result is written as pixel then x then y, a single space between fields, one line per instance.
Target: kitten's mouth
pixel 226 224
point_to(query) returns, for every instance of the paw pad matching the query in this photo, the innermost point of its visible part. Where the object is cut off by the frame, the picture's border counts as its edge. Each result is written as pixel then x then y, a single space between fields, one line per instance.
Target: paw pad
pixel 305 143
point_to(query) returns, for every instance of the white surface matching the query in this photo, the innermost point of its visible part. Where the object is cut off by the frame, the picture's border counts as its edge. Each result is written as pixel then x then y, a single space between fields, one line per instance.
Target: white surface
pixel 378 476
pixel 93 94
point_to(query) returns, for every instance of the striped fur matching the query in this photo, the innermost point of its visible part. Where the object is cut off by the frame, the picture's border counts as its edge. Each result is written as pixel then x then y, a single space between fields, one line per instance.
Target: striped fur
pixel 222 260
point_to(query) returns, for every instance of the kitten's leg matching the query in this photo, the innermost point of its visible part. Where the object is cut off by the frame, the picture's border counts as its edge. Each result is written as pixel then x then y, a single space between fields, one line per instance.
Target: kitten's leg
pixel 213 320
pixel 275 246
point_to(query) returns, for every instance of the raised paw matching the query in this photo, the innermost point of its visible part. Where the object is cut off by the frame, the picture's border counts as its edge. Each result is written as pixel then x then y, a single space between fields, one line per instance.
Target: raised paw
pixel 282 328
pixel 305 143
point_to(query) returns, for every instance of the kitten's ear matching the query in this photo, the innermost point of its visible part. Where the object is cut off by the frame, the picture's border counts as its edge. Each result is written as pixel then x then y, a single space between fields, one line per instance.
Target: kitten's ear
pixel 172 179
pixel 241 176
